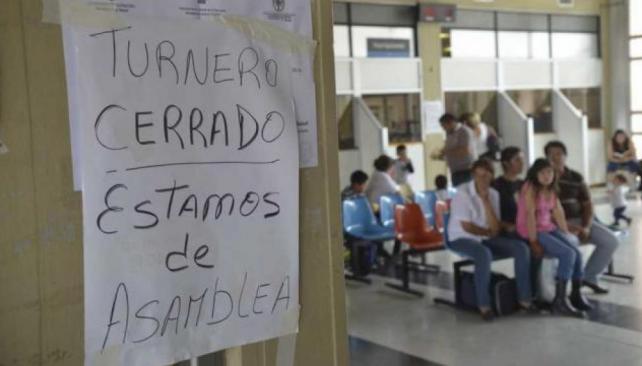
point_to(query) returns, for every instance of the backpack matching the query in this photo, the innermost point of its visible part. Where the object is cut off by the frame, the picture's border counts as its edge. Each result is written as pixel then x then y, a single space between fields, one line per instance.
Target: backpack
pixel 503 293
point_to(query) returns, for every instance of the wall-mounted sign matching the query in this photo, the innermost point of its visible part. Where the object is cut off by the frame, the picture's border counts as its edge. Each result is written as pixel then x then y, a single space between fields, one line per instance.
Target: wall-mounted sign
pixel 388 47
pixel 437 13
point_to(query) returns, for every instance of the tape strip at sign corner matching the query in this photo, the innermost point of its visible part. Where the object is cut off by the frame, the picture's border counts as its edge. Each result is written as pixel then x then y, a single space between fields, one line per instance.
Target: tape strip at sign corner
pixel 276 37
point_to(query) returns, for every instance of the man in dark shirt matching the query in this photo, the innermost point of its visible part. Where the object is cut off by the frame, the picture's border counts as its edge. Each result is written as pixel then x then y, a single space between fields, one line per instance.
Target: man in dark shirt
pixel 508 185
pixel 358 180
pixel 575 198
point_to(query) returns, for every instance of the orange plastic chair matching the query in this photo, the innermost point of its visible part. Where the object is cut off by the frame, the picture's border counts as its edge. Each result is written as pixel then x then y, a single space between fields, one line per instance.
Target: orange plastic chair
pixel 411 228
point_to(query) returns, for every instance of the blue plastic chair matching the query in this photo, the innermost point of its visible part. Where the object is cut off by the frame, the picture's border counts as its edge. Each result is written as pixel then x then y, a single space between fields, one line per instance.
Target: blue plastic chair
pixel 359 221
pixel 426 200
pixel 387 204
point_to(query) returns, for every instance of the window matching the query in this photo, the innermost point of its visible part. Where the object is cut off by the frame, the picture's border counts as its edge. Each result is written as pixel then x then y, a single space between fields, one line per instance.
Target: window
pixel 399 35
pixel 399 113
pixel 341 37
pixel 510 35
pixel 635 20
pixel 482 102
pixel 575 45
pixel 636 89
pixel 587 100
pixel 472 43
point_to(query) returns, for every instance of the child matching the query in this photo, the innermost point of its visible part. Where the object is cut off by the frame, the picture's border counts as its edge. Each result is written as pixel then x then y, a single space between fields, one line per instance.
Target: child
pixel 441 182
pixel 357 186
pixel 541 221
pixel 402 167
pixel 618 199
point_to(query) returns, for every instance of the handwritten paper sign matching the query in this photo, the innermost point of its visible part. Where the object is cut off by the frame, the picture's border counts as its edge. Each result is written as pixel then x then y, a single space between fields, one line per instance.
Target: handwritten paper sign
pixel 190 189
pixel 292 16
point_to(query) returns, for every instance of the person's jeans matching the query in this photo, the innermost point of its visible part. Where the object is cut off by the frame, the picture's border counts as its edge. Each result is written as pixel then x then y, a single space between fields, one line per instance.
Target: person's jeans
pixel 558 245
pixel 631 166
pixel 618 214
pixel 482 255
pixel 605 245
pixel 460 177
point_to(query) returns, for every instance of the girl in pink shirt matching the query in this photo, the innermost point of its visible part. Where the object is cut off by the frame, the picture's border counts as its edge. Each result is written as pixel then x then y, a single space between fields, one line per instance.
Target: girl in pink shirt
pixel 541 221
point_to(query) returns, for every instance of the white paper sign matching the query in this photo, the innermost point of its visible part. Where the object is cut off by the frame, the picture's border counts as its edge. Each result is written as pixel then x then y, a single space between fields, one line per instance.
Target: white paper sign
pixel 432 111
pixel 291 15
pixel 190 190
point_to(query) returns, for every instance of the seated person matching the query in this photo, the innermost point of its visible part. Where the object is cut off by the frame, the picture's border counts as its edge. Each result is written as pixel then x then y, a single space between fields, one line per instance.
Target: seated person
pixel 578 209
pixel 357 186
pixel 473 231
pixel 508 186
pixel 541 221
pixel 381 181
pixel 441 183
pixel 621 154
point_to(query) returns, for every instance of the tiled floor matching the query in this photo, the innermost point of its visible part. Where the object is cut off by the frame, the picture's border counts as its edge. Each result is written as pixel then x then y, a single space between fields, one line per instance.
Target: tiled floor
pixel 390 328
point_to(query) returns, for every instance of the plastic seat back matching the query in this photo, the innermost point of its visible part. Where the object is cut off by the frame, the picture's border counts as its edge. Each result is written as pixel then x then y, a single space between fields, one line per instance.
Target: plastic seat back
pixel 387 204
pixel 357 215
pixel 426 200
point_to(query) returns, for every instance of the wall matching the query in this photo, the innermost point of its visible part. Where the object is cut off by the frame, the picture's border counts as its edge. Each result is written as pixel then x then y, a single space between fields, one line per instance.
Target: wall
pixel 41 272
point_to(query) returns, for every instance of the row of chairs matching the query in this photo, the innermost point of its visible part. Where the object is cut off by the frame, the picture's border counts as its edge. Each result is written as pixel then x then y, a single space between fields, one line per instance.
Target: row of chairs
pixel 418 225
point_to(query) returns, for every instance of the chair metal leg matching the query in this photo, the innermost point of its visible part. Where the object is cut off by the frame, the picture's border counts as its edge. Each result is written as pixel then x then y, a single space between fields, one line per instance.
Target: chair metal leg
pixel 610 272
pixel 405 278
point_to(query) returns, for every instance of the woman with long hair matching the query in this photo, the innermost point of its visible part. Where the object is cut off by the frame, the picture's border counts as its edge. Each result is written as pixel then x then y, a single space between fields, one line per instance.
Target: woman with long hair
pixel 541 221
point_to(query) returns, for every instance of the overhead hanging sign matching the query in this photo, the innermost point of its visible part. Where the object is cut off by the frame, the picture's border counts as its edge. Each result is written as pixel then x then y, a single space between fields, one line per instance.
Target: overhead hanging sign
pixel 188 136
pixel 437 13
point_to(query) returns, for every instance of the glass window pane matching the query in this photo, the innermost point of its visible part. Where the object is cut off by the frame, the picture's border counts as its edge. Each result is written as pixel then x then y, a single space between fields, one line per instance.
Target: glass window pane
pixel 513 44
pixel 574 45
pixel 635 17
pixel 636 47
pixel 636 125
pixel 472 43
pixel 399 113
pixel 637 141
pixel 587 100
pixel 341 41
pixel 540 45
pixel 361 34
pixel 636 85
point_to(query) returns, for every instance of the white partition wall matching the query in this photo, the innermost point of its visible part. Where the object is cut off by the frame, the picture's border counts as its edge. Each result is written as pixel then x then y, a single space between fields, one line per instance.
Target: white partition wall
pixel 525 74
pixel 571 127
pixel 578 73
pixel 371 140
pixel 463 74
pixel 360 76
pixel 388 75
pixel 468 74
pixel 515 128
